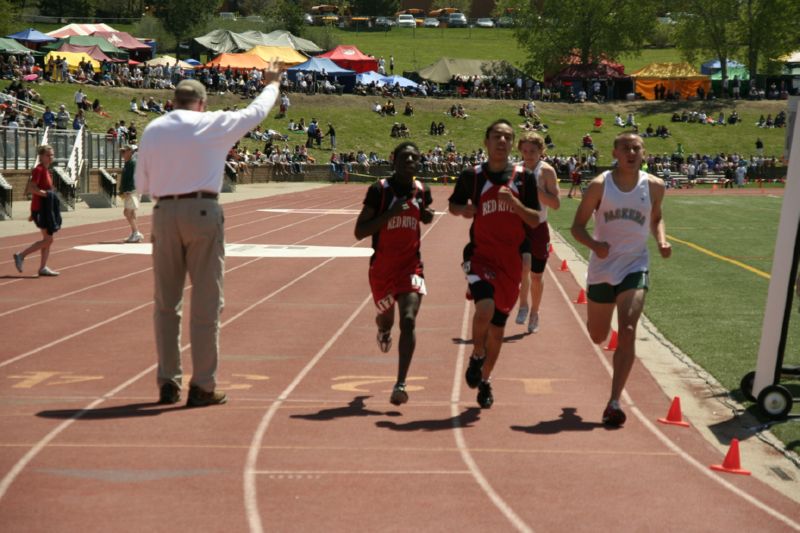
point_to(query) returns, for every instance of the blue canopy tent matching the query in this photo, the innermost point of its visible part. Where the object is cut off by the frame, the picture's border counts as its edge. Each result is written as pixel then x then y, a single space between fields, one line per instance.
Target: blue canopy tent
pixel 32 38
pixel 325 68
pixel 368 77
pixel 404 82
pixel 713 68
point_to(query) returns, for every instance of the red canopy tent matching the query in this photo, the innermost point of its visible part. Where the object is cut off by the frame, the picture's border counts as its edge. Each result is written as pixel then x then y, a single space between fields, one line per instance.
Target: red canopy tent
pixel 351 58
pixel 92 51
pixel 575 59
pixel 121 39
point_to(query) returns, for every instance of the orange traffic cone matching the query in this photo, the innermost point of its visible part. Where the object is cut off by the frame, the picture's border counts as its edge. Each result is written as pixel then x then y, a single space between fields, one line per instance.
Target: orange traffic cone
pixel 564 267
pixel 714 187
pixel 581 297
pixel 731 463
pixel 674 416
pixel 550 248
pixel 612 343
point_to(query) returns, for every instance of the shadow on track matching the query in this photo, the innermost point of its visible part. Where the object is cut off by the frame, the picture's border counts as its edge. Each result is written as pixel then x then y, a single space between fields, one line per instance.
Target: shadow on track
pixel 464 420
pixel 133 410
pixel 568 420
pixel 354 408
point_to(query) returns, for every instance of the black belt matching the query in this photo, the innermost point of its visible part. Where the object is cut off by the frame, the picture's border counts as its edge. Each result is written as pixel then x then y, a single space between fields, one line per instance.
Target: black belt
pixel 196 194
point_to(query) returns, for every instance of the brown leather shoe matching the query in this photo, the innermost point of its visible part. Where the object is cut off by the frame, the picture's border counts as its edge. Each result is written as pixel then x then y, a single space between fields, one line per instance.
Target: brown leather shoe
pixel 169 394
pixel 200 398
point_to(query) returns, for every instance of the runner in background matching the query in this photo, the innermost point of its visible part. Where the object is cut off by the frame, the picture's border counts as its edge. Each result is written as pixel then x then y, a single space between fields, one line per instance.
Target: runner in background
pixel 531 146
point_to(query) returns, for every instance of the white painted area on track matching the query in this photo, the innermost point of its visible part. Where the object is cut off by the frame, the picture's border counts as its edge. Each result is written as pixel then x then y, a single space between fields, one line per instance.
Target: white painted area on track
pixel 680 452
pixel 290 251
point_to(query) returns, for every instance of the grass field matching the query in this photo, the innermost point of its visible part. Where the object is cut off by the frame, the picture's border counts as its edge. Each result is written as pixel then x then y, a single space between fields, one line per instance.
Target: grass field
pixel 359 128
pixel 710 308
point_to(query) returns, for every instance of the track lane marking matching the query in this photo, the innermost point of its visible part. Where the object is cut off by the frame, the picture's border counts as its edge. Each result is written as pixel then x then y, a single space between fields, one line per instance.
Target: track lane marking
pixel 659 434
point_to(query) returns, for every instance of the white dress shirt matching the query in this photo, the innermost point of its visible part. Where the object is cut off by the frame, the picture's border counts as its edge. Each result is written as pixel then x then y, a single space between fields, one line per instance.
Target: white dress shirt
pixel 184 151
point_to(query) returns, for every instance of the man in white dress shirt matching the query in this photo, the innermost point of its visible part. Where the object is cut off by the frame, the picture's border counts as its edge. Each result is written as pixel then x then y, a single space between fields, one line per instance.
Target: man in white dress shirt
pixel 181 160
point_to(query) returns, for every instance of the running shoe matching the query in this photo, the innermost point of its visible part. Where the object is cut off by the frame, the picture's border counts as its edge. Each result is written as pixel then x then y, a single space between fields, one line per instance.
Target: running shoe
pixel 614 416
pixel 474 371
pixel 399 395
pixel 47 272
pixel 522 314
pixel 485 396
pixel 135 237
pixel 533 323
pixel 18 261
pixel 385 340
pixel 169 394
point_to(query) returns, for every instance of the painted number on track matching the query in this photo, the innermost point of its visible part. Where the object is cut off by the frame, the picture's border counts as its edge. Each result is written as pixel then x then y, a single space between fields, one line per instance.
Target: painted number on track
pixel 357 383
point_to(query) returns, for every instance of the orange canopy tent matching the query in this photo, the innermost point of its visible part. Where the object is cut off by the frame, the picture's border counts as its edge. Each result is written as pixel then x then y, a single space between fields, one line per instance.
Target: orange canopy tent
pixel 238 61
pixel 676 77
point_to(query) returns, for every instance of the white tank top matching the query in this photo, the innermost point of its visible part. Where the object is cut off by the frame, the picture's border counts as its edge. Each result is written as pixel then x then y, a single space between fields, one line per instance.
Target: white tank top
pixel 537 170
pixel 623 221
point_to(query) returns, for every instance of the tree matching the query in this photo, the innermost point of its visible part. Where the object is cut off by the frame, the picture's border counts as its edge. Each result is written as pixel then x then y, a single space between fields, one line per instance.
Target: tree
pixel 287 14
pixel 9 22
pixel 758 30
pixel 707 26
pixel 375 7
pixel 554 30
pixel 180 18
pixel 67 8
pixel 766 31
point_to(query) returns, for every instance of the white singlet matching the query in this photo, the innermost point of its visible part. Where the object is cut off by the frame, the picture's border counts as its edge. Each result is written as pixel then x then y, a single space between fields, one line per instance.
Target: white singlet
pixel 623 221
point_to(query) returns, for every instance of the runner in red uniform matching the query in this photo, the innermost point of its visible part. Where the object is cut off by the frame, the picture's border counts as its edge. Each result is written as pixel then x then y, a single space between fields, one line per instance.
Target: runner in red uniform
pixel 392 213
pixel 500 199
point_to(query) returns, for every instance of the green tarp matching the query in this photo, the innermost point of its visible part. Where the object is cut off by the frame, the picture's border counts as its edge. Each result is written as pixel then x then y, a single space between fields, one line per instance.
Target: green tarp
pixel 228 42
pixel 10 46
pixel 443 70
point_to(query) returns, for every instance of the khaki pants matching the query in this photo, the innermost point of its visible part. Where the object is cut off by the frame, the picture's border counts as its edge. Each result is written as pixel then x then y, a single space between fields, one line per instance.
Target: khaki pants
pixel 188 236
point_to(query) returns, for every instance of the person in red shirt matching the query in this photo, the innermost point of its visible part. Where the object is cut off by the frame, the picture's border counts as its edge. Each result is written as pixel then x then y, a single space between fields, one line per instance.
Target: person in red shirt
pixel 393 210
pixel 500 199
pixel 40 183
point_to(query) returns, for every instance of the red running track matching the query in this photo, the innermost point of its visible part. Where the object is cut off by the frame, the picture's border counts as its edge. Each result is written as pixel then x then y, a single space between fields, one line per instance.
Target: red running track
pixel 309 441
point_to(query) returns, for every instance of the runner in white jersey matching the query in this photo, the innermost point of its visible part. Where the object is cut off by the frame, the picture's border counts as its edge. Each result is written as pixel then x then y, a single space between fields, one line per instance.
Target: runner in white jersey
pixel 534 258
pixel 626 205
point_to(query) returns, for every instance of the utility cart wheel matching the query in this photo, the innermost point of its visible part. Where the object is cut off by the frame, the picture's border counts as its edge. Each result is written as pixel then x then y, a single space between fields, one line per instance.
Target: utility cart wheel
pixel 746 386
pixel 775 401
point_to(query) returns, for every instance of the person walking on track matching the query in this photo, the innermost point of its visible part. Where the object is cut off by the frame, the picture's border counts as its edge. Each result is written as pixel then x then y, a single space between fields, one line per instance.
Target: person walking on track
pixel 127 190
pixel 45 211
pixel 531 146
pixel 393 209
pixel 626 204
pixel 180 164
pixel 499 199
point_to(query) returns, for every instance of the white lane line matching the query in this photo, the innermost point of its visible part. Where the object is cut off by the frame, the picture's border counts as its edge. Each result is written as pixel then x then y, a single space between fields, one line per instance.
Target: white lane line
pixel 12 474
pixel 458 433
pixel 362 472
pixel 73 293
pixel 249 475
pixel 250 494
pixel 661 436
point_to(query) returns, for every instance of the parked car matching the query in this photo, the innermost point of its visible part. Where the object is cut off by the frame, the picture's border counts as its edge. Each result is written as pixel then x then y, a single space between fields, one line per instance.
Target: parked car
pixel 505 22
pixel 484 23
pixel 384 22
pixel 308 19
pixel 406 21
pixel 431 22
pixel 457 20
pixel 227 15
pixel 254 18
